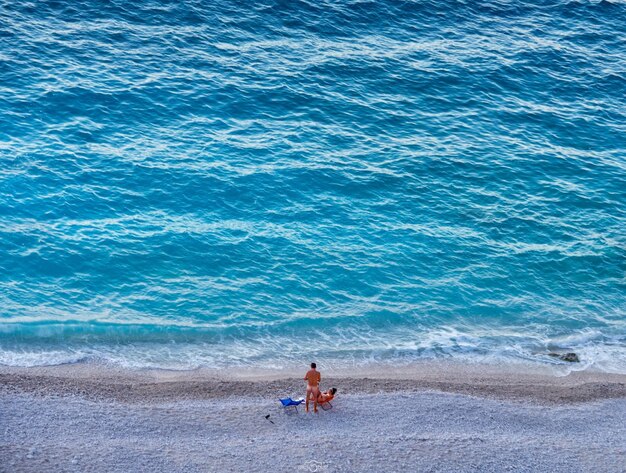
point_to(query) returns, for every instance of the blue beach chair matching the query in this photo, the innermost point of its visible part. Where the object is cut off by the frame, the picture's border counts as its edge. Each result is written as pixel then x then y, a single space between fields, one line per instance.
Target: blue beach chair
pixel 289 405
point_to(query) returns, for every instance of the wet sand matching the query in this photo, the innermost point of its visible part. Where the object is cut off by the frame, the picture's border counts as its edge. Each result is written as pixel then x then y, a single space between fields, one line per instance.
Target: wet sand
pixel 95 382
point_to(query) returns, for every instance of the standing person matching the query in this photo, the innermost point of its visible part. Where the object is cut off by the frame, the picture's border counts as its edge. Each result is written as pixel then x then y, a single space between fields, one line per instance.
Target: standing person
pixel 313 378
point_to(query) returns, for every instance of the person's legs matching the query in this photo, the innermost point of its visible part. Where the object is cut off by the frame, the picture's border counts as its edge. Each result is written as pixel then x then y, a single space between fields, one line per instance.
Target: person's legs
pixel 316 394
pixel 309 391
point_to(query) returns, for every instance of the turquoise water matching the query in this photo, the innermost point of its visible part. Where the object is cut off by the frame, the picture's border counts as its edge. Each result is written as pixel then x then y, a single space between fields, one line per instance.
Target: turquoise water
pixel 225 183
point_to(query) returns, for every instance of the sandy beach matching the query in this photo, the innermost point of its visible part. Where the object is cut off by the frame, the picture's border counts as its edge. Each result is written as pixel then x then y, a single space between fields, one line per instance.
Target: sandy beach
pixel 427 418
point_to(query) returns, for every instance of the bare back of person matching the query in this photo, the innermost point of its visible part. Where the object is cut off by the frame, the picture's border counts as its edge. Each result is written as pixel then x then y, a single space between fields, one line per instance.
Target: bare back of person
pixel 313 378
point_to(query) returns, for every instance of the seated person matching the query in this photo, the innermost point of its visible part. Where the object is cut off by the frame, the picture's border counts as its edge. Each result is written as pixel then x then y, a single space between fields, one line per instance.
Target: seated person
pixel 326 396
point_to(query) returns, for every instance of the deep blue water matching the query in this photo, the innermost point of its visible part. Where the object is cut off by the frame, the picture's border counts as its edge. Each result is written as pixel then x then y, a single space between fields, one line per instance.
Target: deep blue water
pixel 224 183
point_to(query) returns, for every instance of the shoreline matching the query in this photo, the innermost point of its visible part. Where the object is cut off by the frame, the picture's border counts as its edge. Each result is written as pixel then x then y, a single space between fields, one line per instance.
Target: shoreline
pixel 507 382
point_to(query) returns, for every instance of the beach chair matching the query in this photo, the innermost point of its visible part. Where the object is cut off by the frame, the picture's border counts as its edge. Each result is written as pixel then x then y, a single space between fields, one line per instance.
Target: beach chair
pixel 326 405
pixel 289 405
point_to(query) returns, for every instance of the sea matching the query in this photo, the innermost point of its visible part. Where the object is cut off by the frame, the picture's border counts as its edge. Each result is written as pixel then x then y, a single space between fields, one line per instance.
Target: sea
pixel 235 184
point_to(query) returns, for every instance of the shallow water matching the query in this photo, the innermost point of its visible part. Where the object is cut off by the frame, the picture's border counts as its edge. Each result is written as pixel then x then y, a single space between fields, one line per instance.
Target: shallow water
pixel 232 183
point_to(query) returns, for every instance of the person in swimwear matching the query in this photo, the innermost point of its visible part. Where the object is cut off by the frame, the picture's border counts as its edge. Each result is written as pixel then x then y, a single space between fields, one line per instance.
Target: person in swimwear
pixel 326 396
pixel 313 378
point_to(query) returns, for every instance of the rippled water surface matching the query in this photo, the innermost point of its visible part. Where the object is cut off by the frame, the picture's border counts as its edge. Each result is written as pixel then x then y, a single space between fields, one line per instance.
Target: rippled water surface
pixel 226 183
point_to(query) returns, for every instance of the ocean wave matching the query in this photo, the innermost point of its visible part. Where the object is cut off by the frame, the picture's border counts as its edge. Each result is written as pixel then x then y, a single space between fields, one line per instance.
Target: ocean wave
pixel 401 179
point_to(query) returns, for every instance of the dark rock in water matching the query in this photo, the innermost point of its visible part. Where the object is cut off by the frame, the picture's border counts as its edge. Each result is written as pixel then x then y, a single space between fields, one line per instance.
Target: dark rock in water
pixel 570 357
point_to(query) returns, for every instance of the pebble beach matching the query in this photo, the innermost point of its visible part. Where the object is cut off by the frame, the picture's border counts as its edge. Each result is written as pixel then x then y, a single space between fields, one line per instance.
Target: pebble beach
pixel 429 419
